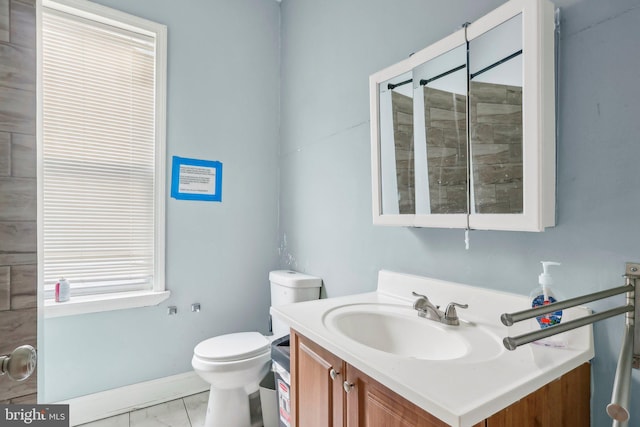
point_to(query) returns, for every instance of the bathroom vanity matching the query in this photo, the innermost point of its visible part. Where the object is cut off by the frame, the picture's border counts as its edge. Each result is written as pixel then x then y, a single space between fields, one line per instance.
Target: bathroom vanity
pixel 370 360
pixel 327 391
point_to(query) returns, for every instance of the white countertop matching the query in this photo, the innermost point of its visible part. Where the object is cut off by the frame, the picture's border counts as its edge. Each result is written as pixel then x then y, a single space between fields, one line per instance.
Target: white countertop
pixel 461 392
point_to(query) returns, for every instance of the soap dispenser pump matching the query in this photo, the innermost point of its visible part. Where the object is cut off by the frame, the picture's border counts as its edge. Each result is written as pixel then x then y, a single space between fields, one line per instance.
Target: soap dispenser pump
pixel 545 295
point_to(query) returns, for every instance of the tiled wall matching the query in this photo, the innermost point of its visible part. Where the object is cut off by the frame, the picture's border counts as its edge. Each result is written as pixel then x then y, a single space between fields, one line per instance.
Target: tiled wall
pixel 496 147
pixel 446 130
pixel 403 139
pixel 18 261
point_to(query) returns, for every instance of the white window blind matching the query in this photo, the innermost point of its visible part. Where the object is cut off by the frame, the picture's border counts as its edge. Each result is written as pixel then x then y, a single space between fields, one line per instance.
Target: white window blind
pixel 99 155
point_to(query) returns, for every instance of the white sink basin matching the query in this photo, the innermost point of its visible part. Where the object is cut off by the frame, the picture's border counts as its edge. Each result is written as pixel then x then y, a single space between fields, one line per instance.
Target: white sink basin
pixel 397 330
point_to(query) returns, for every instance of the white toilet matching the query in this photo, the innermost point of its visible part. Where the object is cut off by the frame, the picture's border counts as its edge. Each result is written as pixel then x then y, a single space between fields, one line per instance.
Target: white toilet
pixel 234 364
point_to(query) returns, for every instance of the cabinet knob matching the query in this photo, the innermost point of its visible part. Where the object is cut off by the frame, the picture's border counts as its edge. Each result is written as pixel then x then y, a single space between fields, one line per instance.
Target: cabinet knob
pixel 347 386
pixel 333 374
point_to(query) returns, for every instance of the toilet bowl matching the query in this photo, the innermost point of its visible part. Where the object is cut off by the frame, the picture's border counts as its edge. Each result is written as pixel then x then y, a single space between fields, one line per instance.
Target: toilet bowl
pixel 235 363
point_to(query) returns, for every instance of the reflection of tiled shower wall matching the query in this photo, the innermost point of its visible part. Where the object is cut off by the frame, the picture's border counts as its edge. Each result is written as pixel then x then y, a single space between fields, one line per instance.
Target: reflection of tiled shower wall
pixel 496 147
pixel 18 261
pixel 446 127
pixel 403 140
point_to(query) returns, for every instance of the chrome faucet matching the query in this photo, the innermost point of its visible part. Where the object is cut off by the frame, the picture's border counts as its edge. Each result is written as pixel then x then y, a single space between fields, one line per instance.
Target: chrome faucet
pixel 429 311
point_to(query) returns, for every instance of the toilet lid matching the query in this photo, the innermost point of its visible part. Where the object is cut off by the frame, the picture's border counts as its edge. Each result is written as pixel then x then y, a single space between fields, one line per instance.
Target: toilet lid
pixel 230 347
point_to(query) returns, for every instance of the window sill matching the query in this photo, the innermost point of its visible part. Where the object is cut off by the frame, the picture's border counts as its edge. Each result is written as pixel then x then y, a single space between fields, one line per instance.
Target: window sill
pixel 105 302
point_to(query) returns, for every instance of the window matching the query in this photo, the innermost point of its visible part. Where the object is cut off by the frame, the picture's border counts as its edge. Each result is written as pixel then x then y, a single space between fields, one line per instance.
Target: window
pixel 103 154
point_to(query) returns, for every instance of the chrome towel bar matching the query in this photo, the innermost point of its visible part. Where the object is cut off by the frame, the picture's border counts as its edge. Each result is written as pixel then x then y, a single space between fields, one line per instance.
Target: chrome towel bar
pixel 509 319
pixel 511 343
pixel 629 353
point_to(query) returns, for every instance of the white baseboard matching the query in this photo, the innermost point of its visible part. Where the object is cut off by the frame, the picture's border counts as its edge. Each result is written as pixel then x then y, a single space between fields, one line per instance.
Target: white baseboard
pixel 108 403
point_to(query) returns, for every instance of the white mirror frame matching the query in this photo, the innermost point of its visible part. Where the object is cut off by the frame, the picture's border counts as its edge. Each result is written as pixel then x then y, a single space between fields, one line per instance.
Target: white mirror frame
pixel 538 122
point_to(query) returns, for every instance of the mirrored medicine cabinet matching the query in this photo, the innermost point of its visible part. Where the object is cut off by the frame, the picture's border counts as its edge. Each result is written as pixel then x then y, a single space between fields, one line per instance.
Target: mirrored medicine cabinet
pixel 463 131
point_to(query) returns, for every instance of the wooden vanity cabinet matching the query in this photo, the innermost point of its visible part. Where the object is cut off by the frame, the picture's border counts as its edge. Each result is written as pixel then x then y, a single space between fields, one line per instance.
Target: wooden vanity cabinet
pixel 317 399
pixel 320 399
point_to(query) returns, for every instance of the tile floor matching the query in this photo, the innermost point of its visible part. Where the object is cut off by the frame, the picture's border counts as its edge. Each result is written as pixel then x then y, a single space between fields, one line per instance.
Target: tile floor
pixel 186 412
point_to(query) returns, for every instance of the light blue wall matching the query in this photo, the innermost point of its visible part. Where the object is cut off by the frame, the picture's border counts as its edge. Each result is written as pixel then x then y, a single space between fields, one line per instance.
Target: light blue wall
pixel 223 104
pixel 329 49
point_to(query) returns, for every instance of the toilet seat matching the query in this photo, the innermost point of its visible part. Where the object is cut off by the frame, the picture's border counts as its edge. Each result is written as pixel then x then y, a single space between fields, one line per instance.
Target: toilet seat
pixel 233 347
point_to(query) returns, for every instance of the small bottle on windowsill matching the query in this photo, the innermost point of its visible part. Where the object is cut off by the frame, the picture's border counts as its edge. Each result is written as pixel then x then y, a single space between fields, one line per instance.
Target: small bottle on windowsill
pixel 62 290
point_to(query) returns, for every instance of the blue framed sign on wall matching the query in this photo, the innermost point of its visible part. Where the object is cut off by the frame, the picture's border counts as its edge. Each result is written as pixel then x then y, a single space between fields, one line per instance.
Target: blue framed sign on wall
pixel 194 179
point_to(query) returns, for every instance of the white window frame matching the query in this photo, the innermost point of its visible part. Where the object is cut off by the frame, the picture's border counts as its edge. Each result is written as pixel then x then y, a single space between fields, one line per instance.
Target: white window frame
pixel 115 300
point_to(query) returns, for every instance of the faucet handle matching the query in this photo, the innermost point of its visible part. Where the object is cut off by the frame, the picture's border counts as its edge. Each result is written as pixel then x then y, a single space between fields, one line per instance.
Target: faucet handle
pixel 415 294
pixel 422 303
pixel 450 313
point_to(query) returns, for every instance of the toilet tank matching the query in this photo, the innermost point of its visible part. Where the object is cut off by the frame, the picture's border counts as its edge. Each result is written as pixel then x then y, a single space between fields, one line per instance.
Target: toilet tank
pixel 288 287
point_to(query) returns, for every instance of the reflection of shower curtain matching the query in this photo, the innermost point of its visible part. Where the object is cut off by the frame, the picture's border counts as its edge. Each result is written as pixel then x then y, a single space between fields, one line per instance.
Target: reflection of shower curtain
pixel 446 132
pixel 402 106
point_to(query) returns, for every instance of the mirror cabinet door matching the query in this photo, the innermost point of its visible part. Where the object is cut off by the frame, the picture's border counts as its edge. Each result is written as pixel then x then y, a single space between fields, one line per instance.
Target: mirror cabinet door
pixel 440 111
pixel 512 117
pixel 397 180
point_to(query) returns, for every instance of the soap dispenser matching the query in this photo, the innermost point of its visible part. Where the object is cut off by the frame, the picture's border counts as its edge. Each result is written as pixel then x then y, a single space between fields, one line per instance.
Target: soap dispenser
pixel 545 295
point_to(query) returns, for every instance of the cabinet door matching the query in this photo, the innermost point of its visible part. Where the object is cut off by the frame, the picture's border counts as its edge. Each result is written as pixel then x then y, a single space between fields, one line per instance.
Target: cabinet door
pixel 370 404
pixel 318 398
pixel 561 403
